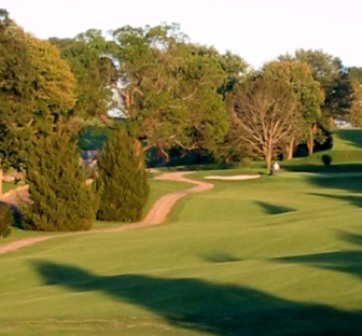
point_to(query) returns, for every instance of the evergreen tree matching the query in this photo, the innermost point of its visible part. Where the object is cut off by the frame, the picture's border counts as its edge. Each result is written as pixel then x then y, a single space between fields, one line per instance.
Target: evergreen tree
pixel 122 182
pixel 6 220
pixel 60 200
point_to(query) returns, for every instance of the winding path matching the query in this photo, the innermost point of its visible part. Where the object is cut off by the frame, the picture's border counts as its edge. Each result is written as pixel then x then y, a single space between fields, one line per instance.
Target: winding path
pixel 156 215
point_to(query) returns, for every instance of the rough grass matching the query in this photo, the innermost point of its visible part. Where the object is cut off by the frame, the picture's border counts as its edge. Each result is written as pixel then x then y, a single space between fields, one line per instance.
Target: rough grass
pixel 278 255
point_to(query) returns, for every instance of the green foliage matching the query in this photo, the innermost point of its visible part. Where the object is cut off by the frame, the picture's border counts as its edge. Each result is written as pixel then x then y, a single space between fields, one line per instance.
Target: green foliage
pixel 93 69
pixel 334 79
pixel 36 88
pixel 6 220
pixel 60 200
pixel 122 183
pixel 171 97
pixel 93 137
pixel 355 111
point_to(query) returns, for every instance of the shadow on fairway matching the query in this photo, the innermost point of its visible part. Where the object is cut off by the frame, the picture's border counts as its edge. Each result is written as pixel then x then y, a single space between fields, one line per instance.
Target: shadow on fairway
pixel 220 258
pixel 319 168
pixel 354 200
pixel 348 261
pixel 350 183
pixel 272 209
pixel 352 136
pixel 219 309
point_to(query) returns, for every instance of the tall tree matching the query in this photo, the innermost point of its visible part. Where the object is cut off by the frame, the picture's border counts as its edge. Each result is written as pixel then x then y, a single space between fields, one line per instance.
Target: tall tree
pixel 15 90
pixel 334 79
pixel 170 88
pixel 60 199
pixel 94 71
pixel 264 112
pixel 36 89
pixel 122 182
pixel 355 112
pixel 297 74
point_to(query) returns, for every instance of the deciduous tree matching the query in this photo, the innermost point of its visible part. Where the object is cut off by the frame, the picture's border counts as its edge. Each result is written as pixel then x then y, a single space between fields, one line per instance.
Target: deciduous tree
pixel 334 79
pixel 265 113
pixel 170 89
pixel 36 90
pixel 297 74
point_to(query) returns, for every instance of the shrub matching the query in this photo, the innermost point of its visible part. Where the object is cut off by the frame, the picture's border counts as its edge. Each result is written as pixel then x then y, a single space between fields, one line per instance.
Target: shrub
pixel 6 220
pixel 326 159
pixel 122 183
pixel 60 200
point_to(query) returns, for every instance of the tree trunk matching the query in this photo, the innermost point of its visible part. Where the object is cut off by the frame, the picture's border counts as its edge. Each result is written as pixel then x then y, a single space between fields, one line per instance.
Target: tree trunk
pixel 1 180
pixel 331 122
pixel 310 140
pixel 268 162
pixel 290 149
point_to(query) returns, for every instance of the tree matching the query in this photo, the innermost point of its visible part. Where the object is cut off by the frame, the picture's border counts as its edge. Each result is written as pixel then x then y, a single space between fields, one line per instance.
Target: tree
pixel 170 89
pixel 122 182
pixel 265 113
pixel 234 68
pixel 6 220
pixel 95 73
pixel 334 79
pixel 60 200
pixel 36 90
pixel 355 112
pixel 297 74
pixel 15 91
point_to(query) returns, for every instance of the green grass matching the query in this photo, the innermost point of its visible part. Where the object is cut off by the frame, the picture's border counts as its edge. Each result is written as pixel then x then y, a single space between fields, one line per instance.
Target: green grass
pixel 278 255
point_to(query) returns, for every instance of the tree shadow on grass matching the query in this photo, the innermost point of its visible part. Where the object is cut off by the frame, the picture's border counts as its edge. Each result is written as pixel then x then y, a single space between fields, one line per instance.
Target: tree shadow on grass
pixel 272 209
pixel 347 261
pixel 354 200
pixel 219 309
pixel 320 168
pixel 348 183
pixel 220 258
pixel 353 136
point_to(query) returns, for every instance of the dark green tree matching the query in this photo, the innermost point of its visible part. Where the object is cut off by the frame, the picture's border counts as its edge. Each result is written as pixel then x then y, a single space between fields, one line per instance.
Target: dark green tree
pixel 6 220
pixel 122 183
pixel 92 66
pixel 60 199
pixel 36 89
pixel 335 81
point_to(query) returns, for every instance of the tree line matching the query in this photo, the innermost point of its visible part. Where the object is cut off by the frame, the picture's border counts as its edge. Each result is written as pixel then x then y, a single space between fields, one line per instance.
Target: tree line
pixel 169 95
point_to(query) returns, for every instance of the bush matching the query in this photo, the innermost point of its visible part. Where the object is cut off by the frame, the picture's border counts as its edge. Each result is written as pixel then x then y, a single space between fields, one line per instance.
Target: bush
pixel 60 200
pixel 6 220
pixel 326 159
pixel 122 183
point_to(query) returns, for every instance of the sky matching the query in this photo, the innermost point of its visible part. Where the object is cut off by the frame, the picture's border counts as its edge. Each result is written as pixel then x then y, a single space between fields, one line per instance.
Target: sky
pixel 256 30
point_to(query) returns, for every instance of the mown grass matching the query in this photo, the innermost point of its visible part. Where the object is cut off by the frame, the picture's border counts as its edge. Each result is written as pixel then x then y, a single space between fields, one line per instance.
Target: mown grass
pixel 279 255
pixel 157 190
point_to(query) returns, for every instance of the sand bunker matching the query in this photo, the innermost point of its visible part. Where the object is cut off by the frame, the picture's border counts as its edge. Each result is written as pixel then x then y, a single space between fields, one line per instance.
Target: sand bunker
pixel 232 178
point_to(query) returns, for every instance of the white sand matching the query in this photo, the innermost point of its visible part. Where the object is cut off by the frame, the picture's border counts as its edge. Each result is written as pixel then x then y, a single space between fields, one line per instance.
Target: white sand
pixel 232 178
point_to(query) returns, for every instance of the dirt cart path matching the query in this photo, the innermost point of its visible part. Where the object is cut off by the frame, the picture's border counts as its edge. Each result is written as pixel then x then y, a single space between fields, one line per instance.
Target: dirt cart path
pixel 156 215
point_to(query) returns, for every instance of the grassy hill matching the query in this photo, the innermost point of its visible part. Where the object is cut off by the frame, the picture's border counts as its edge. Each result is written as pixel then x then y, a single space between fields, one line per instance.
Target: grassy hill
pixel 278 255
pixel 344 156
